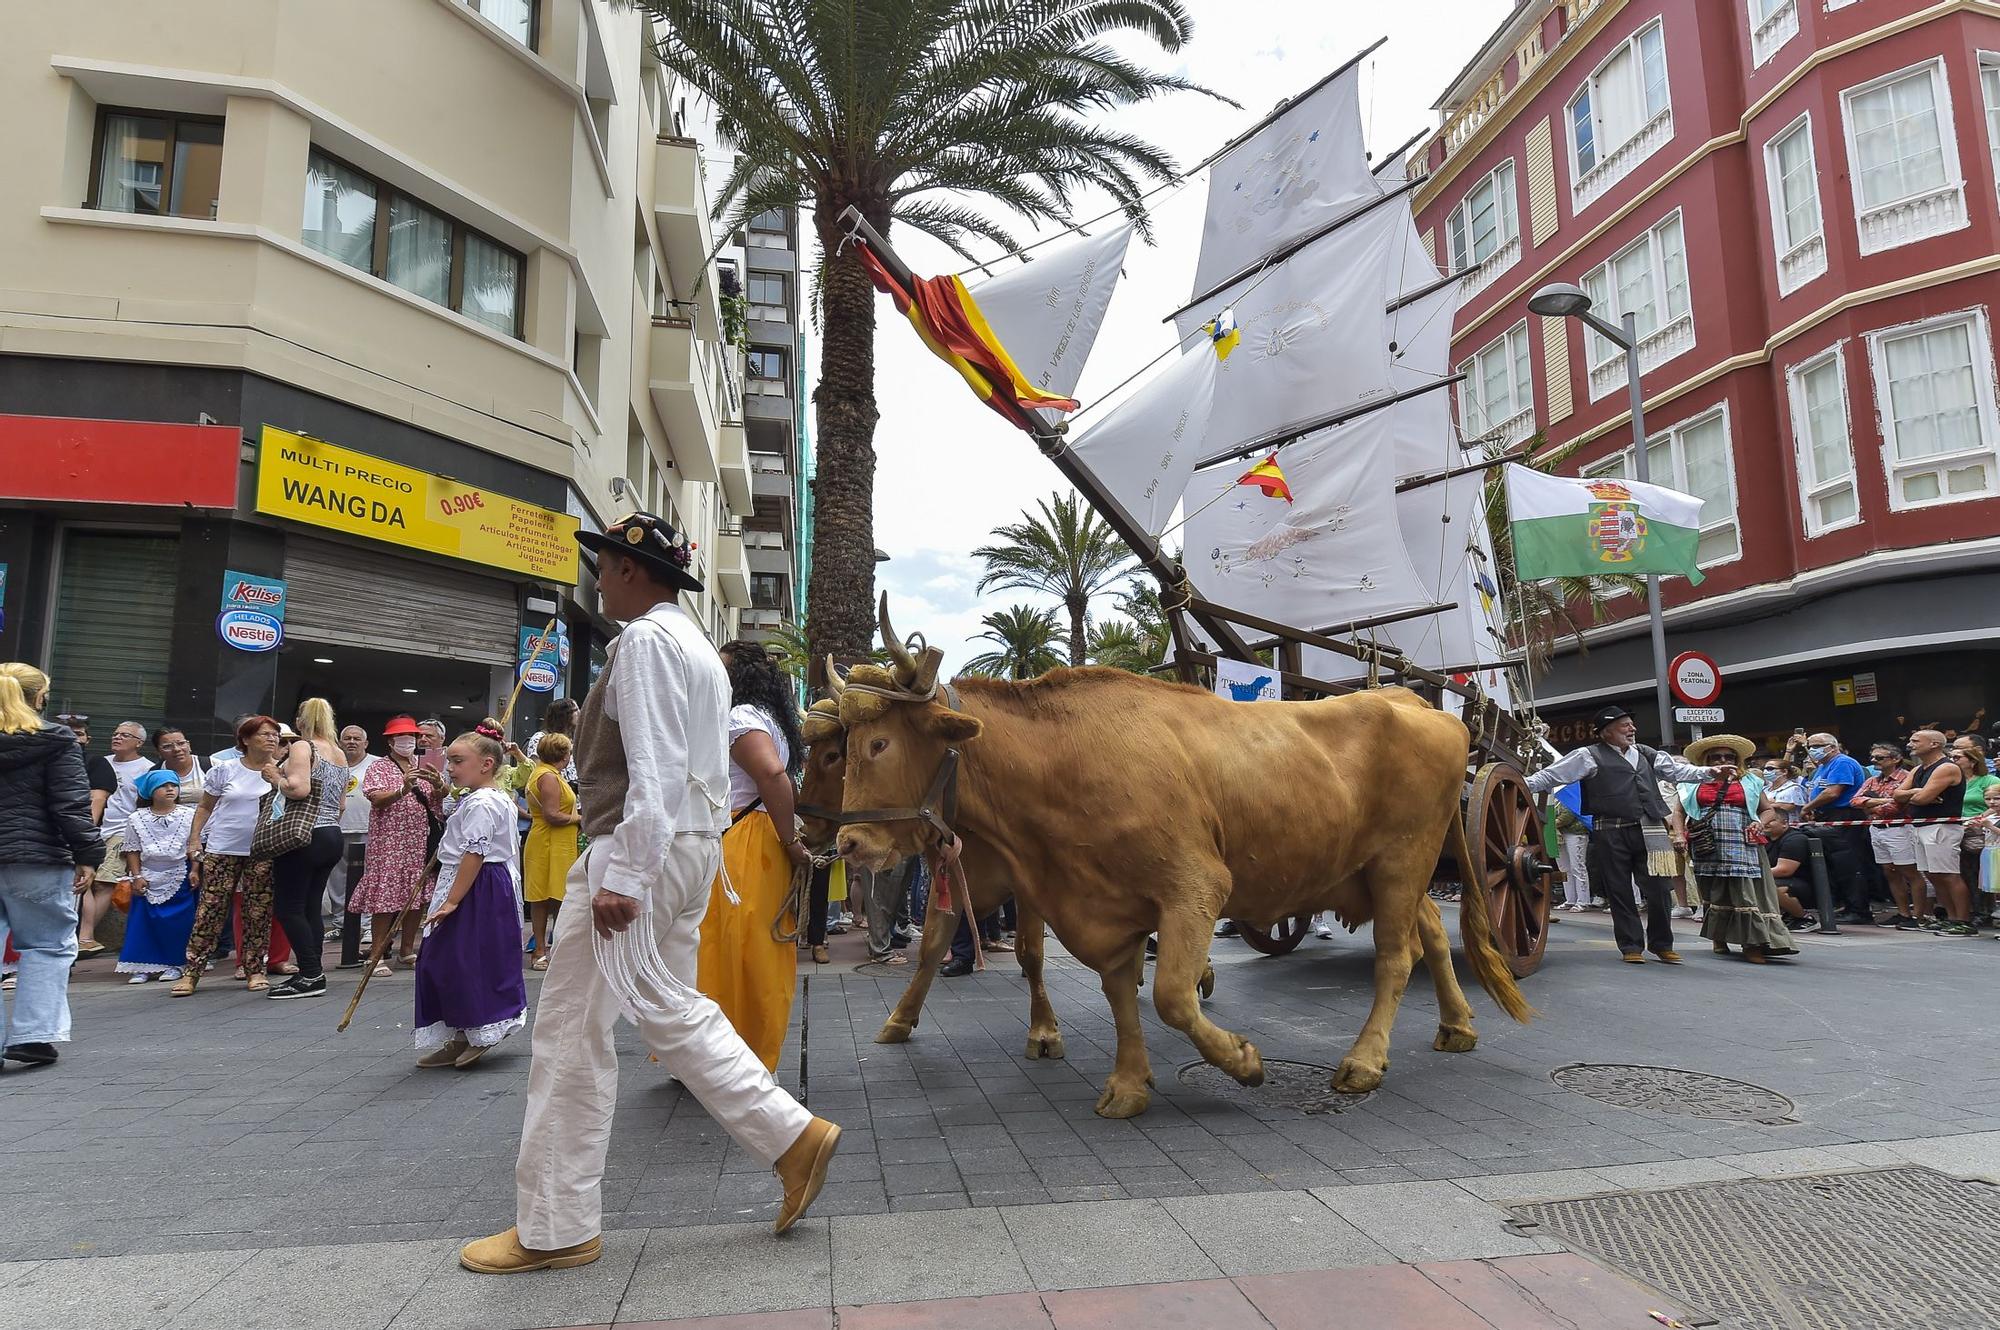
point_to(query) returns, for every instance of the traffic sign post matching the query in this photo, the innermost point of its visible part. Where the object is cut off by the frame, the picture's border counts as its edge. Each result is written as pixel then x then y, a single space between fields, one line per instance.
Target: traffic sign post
pixel 1696 680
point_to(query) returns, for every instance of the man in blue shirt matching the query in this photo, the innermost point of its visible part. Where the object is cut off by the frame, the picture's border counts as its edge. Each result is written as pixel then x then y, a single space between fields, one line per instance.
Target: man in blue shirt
pixel 1836 777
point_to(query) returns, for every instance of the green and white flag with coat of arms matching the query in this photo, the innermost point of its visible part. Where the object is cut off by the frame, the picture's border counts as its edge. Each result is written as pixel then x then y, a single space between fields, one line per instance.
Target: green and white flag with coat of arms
pixel 1597 526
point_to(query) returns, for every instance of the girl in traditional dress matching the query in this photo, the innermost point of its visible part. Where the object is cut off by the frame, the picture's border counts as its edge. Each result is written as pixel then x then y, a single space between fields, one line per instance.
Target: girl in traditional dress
pixel 551 846
pixel 156 864
pixel 403 796
pixel 742 967
pixel 470 994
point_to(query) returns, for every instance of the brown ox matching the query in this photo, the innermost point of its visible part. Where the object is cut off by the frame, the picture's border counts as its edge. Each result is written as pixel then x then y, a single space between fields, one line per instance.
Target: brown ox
pixel 822 786
pixel 1115 806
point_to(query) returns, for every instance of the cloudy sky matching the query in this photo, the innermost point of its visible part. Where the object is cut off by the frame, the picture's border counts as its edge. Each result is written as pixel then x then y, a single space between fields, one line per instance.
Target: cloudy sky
pixel 949 469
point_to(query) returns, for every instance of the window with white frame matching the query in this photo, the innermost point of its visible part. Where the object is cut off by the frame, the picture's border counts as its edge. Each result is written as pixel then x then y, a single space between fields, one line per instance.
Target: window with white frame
pixel 1772 24
pixel 1903 152
pixel 1648 278
pixel 1692 457
pixel 1989 90
pixel 1498 391
pixel 1825 448
pixel 1619 107
pixel 1796 224
pixel 1934 397
pixel 1485 220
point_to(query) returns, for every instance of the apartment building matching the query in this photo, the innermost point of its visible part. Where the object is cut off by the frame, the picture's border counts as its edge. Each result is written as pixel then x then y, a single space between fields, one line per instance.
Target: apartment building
pixel 322 328
pixel 1797 198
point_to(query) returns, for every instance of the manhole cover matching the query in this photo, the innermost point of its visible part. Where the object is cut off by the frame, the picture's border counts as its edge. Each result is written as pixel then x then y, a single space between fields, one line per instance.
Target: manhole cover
pixel 1298 1087
pixel 1893 1247
pixel 882 970
pixel 1686 1094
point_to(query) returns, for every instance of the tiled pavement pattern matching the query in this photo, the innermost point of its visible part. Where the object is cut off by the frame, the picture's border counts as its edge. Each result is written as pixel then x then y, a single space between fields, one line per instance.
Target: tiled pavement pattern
pixel 210 1135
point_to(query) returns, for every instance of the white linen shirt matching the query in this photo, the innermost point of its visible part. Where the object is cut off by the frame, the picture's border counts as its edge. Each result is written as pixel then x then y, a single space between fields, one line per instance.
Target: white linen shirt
pixel 236 790
pixel 668 692
pixel 1574 765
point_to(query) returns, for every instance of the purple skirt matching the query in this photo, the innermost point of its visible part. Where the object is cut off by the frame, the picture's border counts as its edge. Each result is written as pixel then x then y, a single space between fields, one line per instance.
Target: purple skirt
pixel 469 980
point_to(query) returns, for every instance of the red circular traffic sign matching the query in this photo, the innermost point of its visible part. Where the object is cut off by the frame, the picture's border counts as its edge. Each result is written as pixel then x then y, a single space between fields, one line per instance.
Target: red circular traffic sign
pixel 1695 678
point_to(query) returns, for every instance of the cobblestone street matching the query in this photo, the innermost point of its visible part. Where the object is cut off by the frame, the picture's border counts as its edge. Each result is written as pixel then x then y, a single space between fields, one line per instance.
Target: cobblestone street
pixel 183 1145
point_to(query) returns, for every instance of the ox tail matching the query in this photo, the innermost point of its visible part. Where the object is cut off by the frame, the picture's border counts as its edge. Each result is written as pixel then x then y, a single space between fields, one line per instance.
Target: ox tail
pixel 1475 923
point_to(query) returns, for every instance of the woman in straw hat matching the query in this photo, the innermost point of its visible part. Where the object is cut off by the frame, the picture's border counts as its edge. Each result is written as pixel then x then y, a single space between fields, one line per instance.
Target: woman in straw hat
pixel 1729 816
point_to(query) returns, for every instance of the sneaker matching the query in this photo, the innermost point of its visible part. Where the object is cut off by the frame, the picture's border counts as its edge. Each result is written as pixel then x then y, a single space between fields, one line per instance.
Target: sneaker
pixel 140 979
pixel 1958 929
pixel 1905 924
pixel 1323 930
pixel 300 987
pixel 1682 912
pixel 1226 928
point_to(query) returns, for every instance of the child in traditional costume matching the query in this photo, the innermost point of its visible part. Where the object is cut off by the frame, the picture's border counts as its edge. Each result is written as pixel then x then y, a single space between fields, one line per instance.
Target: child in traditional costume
pixel 155 846
pixel 470 994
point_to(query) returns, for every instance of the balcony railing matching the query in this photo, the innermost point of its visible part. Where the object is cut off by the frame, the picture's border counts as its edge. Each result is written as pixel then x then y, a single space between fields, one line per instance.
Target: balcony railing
pixel 1465 120
pixel 1913 219
pixel 1655 349
pixel 1621 161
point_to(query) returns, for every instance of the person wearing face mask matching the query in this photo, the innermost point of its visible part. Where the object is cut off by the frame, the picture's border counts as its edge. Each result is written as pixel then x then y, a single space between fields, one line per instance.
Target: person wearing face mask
pixel 1836 779
pixel 403 800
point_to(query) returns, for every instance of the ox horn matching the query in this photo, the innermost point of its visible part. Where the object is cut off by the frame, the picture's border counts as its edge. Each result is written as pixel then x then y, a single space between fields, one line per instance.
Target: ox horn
pixel 906 664
pixel 834 683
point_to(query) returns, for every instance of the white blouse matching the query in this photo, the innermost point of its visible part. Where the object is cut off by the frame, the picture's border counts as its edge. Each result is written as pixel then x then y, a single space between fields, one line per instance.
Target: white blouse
pixel 162 846
pixel 236 790
pixel 482 824
pixel 749 719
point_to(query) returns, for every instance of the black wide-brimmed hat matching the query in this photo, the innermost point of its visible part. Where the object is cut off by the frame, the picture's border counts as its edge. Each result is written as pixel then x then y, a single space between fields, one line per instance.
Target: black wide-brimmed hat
pixel 653 541
pixel 1608 716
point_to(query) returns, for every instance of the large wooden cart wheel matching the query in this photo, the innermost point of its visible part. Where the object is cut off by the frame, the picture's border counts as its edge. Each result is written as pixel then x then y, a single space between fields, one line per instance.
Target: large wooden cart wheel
pixel 1504 828
pixel 1283 936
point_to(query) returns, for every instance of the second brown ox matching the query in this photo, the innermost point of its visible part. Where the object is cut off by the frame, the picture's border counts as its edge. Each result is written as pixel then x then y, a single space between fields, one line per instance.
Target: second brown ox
pixel 1114 806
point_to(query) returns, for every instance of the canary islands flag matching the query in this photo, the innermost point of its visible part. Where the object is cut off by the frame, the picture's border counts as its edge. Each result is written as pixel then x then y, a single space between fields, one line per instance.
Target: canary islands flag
pixel 1569 526
pixel 949 320
pixel 1267 477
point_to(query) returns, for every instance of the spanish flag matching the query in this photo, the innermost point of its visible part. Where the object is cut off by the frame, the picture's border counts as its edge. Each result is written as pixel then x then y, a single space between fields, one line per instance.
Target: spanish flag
pixel 1267 477
pixel 948 319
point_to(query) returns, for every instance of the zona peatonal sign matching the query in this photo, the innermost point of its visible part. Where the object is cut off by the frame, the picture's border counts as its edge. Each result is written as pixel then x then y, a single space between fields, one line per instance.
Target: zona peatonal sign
pixel 1695 678
pixel 313 481
pixel 253 611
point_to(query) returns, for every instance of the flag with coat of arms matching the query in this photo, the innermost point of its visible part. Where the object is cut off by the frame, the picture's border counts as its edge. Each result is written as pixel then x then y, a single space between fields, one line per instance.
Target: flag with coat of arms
pixel 1598 526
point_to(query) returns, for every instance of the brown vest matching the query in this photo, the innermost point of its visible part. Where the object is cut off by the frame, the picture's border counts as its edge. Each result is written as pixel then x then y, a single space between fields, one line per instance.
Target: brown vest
pixel 601 775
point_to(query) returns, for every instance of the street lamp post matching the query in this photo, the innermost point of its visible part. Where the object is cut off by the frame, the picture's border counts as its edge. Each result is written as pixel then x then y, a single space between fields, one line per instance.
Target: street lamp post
pixel 1567 300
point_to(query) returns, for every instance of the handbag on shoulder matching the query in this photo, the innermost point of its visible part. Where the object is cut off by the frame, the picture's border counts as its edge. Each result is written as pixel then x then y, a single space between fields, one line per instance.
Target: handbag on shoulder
pixel 283 825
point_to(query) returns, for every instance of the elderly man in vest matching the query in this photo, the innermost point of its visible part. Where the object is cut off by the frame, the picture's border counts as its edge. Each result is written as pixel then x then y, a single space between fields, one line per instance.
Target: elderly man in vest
pixel 1619 783
pixel 652 753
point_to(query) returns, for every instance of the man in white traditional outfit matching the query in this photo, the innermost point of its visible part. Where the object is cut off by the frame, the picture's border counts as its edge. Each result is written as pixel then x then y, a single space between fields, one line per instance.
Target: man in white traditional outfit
pixel 652 751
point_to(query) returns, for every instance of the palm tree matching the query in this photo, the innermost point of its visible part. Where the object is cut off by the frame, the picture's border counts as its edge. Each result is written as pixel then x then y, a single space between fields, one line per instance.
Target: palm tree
pixel 1538 615
pixel 912 111
pixel 1024 638
pixel 1068 552
pixel 1140 602
pixel 1122 645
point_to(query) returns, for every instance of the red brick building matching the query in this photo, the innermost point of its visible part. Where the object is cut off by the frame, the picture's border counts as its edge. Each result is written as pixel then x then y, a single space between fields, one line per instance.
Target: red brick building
pixel 1799 200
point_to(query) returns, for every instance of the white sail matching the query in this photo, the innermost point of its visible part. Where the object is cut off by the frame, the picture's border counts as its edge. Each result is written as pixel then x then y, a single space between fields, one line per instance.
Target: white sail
pixel 1311 329
pixel 1145 450
pixel 1047 313
pixel 1332 555
pixel 1303 170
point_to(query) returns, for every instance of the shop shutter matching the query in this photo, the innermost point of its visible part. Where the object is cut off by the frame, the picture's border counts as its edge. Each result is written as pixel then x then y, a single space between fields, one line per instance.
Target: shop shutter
pixel 114 629
pixel 1541 182
pixel 354 595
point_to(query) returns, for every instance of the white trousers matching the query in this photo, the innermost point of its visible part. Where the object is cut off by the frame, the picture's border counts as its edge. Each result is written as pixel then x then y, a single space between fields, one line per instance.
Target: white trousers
pixel 1576 873
pixel 573 1080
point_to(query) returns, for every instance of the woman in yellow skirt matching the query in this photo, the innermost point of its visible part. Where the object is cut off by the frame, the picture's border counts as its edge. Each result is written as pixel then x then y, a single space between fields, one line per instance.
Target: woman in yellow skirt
pixel 742 967
pixel 551 846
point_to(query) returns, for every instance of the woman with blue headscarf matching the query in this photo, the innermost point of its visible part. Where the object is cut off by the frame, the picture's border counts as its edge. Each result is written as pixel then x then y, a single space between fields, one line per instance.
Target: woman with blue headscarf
pixel 156 867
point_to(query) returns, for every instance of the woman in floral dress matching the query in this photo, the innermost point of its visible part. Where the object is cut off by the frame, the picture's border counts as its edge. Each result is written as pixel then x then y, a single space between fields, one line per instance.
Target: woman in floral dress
pixel 403 798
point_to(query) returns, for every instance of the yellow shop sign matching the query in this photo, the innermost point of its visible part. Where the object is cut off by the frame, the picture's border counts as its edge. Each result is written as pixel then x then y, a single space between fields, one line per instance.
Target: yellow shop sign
pixel 310 480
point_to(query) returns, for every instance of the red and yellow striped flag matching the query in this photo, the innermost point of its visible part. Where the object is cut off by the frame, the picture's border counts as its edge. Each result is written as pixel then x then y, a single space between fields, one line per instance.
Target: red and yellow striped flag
pixel 948 319
pixel 1267 477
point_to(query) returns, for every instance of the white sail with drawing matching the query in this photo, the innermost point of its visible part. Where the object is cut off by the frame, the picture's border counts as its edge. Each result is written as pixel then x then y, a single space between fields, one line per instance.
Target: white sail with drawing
pixel 1332 555
pixel 1047 313
pixel 1310 333
pixel 1145 450
pixel 1305 169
